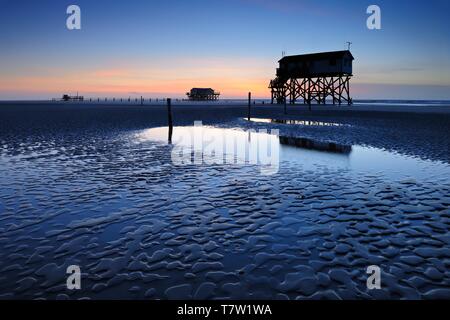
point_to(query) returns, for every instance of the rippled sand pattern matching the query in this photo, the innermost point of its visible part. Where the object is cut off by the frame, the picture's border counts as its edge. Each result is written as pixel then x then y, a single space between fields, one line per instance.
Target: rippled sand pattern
pixel 140 227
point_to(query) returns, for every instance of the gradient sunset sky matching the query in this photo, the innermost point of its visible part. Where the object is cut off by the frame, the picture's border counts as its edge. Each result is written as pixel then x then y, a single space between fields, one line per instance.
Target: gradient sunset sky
pixel 163 48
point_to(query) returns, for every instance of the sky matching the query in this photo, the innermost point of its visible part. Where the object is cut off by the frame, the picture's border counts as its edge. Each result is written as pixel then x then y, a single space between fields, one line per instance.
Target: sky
pixel 163 48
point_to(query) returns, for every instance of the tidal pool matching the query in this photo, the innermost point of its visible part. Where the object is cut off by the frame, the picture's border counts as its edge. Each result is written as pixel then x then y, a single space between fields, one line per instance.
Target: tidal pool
pixel 360 160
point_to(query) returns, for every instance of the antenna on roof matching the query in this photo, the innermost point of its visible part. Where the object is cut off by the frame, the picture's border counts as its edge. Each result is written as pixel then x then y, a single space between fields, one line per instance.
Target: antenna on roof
pixel 283 54
pixel 348 45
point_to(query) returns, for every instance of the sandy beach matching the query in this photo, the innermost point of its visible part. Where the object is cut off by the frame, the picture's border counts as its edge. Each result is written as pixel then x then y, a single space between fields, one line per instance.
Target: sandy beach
pixel 76 188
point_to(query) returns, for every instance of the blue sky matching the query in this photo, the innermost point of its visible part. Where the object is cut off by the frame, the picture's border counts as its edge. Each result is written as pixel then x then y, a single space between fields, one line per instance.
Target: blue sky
pixel 162 48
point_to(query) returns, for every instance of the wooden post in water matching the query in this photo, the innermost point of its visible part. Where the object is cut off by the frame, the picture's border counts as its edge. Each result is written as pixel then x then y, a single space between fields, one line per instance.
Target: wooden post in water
pixel 142 101
pixel 169 118
pixel 249 102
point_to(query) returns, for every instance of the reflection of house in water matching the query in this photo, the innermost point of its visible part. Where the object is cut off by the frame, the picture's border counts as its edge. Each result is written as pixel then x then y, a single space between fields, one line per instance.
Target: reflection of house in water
pixel 313 77
pixel 66 97
pixel 203 94
pixel 315 145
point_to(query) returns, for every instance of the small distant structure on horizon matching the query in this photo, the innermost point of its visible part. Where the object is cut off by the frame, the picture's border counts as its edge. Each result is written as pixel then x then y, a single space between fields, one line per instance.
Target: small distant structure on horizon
pixel 66 97
pixel 313 77
pixel 203 94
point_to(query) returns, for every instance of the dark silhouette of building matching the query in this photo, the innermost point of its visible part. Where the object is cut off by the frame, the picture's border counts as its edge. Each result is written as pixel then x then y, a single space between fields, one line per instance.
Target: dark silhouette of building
pixel 313 77
pixel 203 94
pixel 66 97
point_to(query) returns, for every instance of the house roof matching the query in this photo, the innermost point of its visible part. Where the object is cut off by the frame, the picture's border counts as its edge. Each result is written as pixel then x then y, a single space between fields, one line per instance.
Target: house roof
pixel 317 56
pixel 202 90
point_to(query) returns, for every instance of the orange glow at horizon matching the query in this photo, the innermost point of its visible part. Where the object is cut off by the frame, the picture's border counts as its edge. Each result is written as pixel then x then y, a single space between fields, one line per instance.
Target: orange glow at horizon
pixel 233 79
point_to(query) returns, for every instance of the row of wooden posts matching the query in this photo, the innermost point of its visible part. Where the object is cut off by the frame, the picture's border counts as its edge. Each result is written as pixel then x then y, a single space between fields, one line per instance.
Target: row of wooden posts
pixel 141 99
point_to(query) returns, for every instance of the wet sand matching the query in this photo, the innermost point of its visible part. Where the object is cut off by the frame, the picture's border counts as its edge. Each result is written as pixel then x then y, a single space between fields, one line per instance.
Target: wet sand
pixel 76 188
pixel 413 130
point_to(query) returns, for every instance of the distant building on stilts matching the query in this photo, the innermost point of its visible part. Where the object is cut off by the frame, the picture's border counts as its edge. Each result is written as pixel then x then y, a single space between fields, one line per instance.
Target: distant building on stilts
pixel 66 97
pixel 313 77
pixel 203 94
